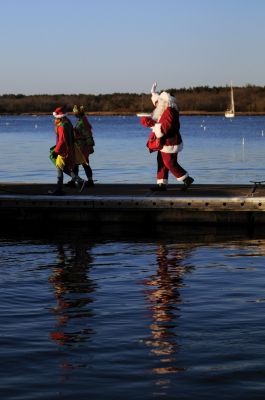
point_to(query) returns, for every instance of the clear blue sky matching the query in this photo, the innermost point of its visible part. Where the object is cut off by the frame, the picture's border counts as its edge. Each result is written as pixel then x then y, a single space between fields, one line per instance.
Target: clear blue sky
pixel 107 46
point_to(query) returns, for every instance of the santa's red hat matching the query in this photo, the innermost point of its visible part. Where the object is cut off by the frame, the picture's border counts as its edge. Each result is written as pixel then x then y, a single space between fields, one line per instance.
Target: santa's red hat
pixel 59 113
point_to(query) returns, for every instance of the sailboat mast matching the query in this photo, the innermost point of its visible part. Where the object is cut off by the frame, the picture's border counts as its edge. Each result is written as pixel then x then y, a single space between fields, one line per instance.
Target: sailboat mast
pixel 232 99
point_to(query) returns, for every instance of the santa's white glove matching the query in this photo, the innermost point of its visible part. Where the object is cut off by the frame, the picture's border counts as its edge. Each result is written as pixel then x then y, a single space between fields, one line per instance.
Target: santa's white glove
pixel 153 88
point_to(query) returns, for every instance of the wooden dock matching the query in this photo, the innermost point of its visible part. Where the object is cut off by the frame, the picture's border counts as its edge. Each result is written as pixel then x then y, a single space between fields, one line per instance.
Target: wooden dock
pixel 134 204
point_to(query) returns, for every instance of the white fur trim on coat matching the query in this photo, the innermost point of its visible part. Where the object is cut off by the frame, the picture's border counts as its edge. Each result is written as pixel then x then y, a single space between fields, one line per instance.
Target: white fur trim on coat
pixel 157 130
pixel 172 149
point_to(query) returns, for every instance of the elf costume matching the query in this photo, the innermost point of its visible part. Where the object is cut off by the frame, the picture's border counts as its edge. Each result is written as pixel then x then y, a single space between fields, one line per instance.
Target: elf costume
pixel 64 151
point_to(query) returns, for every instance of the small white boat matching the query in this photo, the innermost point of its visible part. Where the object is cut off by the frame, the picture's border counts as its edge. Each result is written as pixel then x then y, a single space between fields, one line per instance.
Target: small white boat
pixel 143 115
pixel 230 113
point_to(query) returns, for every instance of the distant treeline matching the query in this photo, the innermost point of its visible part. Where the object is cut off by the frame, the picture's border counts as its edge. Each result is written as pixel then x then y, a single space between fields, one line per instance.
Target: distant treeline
pixel 203 99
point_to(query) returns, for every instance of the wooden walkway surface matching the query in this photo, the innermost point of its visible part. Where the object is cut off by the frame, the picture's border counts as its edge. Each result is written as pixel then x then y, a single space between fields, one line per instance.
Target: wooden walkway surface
pixel 196 190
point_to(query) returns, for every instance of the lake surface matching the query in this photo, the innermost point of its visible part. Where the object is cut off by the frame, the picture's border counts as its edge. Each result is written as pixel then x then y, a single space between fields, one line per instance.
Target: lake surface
pixel 216 149
pixel 173 315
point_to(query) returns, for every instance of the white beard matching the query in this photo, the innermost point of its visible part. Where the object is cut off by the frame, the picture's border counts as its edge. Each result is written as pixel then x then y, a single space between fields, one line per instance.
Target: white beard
pixel 158 111
pixel 162 105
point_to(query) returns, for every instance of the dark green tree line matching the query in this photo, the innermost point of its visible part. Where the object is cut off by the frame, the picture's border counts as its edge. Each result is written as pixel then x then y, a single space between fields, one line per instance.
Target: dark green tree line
pixel 248 99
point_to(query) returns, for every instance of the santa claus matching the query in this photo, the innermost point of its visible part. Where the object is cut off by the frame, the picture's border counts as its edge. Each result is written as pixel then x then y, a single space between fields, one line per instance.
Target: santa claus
pixel 165 127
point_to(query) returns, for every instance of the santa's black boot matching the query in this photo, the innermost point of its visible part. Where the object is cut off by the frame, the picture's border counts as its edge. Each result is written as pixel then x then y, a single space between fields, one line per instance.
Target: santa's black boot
pixel 187 182
pixel 161 187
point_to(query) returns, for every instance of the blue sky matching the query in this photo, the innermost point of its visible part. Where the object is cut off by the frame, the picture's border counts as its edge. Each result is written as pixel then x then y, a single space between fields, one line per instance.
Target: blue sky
pixel 107 46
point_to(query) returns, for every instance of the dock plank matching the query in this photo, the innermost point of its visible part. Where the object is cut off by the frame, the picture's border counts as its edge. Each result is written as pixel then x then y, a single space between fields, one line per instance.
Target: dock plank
pixel 196 190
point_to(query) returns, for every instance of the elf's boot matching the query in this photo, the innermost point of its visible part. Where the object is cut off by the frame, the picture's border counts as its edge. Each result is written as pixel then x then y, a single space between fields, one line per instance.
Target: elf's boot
pixel 59 188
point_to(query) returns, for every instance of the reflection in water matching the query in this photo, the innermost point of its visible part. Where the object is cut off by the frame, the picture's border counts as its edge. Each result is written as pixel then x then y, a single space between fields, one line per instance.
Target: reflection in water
pixel 164 299
pixel 98 316
pixel 72 288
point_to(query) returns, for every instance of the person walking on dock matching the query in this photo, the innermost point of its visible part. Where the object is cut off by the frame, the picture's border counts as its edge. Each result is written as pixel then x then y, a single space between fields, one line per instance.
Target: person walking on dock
pixel 85 142
pixel 166 140
pixel 63 153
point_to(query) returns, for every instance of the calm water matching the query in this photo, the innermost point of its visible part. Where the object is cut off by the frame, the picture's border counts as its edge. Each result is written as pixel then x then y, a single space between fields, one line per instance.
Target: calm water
pixel 138 319
pixel 176 315
pixel 216 150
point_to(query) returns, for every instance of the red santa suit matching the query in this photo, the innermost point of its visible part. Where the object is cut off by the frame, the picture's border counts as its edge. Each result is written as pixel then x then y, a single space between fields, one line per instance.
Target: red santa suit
pixel 167 127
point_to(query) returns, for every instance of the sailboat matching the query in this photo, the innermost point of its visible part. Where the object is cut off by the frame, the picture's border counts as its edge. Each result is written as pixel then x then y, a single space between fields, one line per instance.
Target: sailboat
pixel 230 113
pixel 142 114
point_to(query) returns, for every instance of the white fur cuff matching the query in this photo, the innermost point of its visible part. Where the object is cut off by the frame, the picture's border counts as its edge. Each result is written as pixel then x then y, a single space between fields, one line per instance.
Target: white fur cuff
pixel 163 181
pixel 157 130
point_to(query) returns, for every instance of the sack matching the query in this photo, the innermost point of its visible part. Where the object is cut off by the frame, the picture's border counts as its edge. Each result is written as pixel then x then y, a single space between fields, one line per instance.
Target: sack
pixel 154 143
